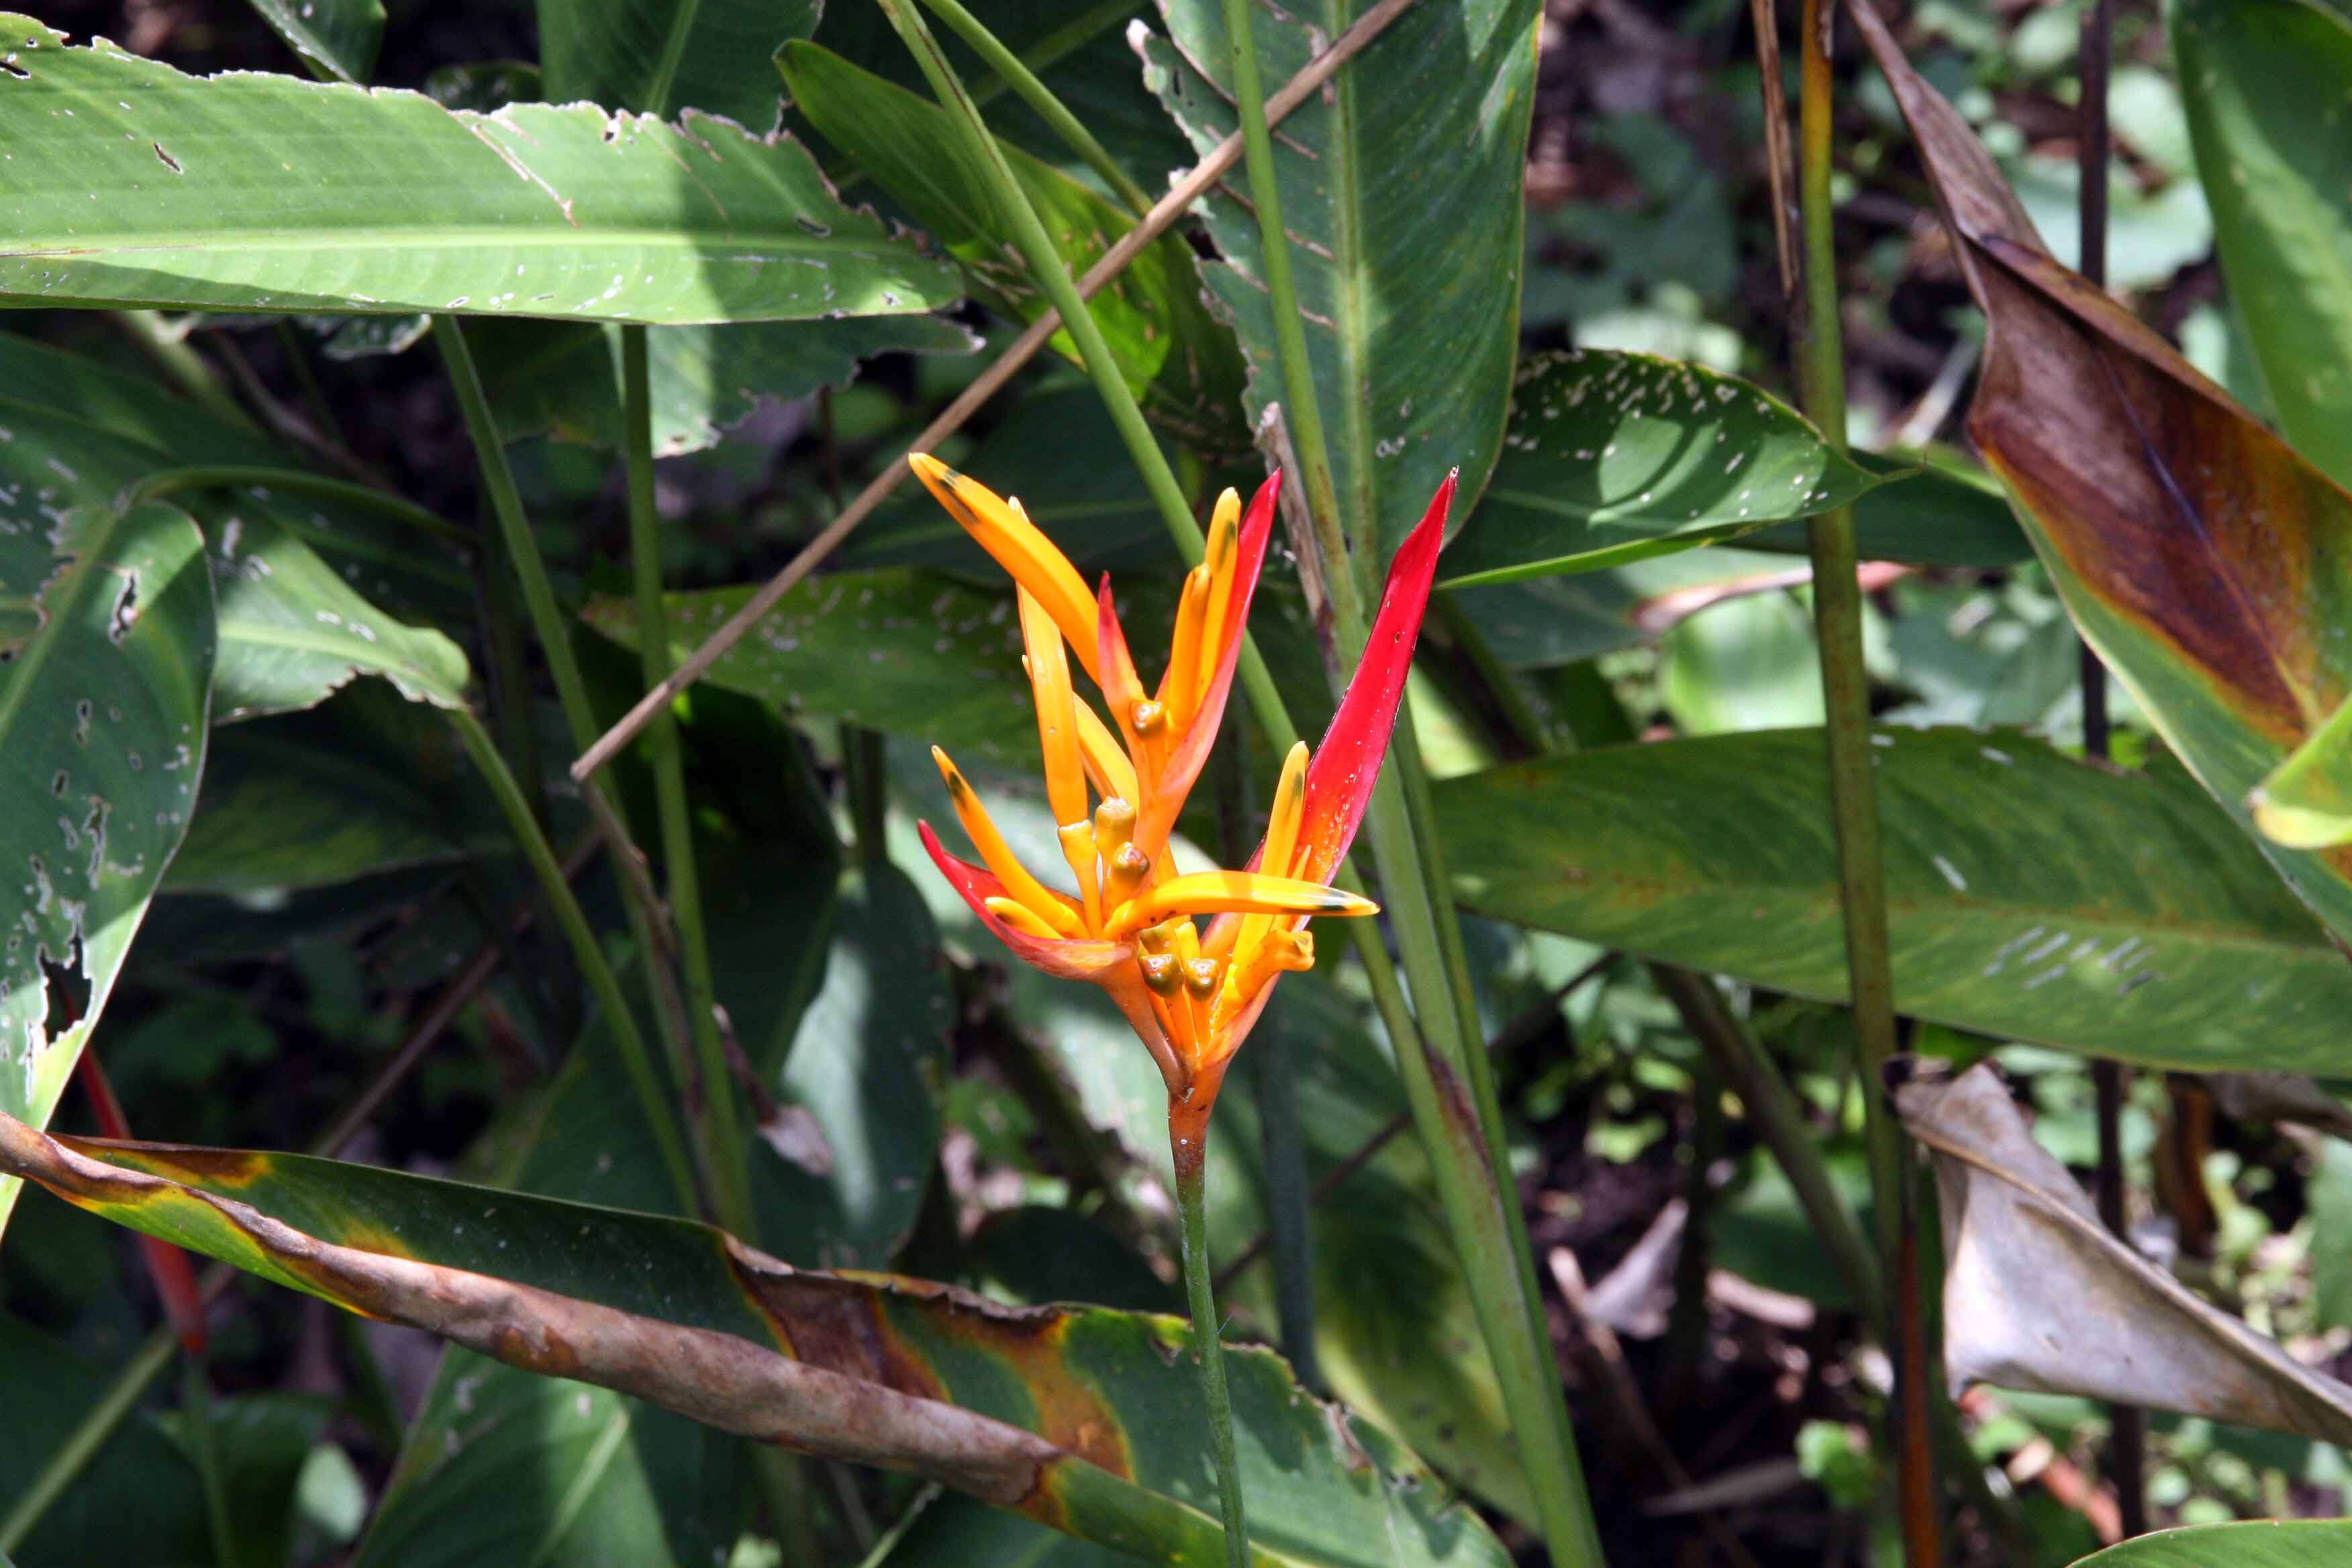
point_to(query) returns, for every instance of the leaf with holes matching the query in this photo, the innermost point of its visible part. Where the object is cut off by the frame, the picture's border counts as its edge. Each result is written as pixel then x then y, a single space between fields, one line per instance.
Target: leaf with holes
pixel 1411 323
pixel 2208 563
pixel 1610 458
pixel 1084 1418
pixel 1179 361
pixel 291 628
pixel 106 662
pixel 127 183
pixel 2029 896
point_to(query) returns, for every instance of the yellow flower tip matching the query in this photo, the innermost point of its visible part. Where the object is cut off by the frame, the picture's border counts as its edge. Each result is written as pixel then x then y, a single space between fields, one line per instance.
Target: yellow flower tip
pixel 1020 918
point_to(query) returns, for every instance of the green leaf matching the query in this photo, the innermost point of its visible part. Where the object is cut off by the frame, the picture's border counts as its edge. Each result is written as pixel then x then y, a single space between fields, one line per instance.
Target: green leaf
pixel 2029 896
pixel 139 1486
pixel 850 1147
pixel 2206 562
pixel 291 628
pixel 504 1466
pixel 1086 1419
pixel 336 39
pixel 1610 458
pixel 1948 512
pixel 2306 801
pixel 2247 1543
pixel 657 57
pixel 307 801
pixel 1413 331
pixel 1179 361
pixel 262 1440
pixel 260 192
pixel 556 379
pixel 106 660
pixel 2255 78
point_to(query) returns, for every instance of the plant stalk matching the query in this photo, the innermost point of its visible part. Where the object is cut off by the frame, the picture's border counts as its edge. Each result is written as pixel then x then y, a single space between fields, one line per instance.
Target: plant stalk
pixel 1189 1139
pixel 1845 689
pixel 573 921
pixel 1016 75
pixel 713 1110
pixel 81 1446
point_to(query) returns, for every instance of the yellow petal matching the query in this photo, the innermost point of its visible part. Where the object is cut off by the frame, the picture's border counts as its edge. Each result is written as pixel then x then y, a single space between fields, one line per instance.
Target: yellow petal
pixel 998 856
pixel 1057 719
pixel 1281 840
pixel 1021 919
pixel 1240 892
pixel 1224 556
pixel 1179 690
pixel 1107 763
pixel 1003 530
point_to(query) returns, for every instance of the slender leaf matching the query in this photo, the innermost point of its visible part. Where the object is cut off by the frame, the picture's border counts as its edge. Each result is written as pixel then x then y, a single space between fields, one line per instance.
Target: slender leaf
pixel 2256 77
pixel 2029 896
pixel 2247 1543
pixel 1413 331
pixel 336 39
pixel 2209 565
pixel 259 193
pixel 1610 458
pixel 1083 1418
pixel 555 378
pixel 106 657
pixel 1179 362
pixel 2306 801
pixel 658 57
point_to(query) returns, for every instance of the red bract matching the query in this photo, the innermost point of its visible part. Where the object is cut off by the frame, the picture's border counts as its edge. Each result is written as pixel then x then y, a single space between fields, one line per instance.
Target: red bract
pixel 1191 996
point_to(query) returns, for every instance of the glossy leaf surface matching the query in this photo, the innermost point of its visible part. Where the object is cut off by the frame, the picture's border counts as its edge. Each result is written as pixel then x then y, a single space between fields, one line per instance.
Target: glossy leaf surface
pixel 2029 896
pixel 1413 333
pixel 2264 84
pixel 259 193
pixel 1084 1418
pixel 1179 361
pixel 106 622
pixel 2248 1543
pixel 658 58
pixel 2208 563
pixel 336 39
pixel 1610 458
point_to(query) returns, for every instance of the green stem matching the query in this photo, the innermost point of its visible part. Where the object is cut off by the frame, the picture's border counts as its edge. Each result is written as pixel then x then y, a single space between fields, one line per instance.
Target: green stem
pixel 1853 805
pixel 81 1446
pixel 172 355
pixel 295 481
pixel 1192 1208
pixel 1025 86
pixel 619 1020
pixel 196 1412
pixel 714 1109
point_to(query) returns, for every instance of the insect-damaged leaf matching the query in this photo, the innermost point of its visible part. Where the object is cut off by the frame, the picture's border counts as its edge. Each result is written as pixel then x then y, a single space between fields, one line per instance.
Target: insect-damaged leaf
pixel 106 663
pixel 127 183
pixel 2039 1295
pixel 1084 1418
pixel 2208 563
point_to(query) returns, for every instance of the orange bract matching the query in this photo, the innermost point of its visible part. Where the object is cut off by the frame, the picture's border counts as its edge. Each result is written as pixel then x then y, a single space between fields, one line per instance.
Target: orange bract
pixel 1128 924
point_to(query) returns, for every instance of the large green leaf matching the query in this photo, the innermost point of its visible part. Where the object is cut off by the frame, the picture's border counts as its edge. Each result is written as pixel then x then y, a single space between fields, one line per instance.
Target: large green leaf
pixel 106 660
pixel 125 181
pixel 385 559
pixel 1610 458
pixel 555 378
pixel 2248 1543
pixel 2028 895
pixel 2209 565
pixel 2256 77
pixel 1179 361
pixel 291 628
pixel 659 57
pixel 1419 143
pixel 1087 1419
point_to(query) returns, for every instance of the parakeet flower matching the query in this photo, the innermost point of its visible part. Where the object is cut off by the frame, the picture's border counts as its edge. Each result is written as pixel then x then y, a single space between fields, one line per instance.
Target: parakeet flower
pixel 1116 787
